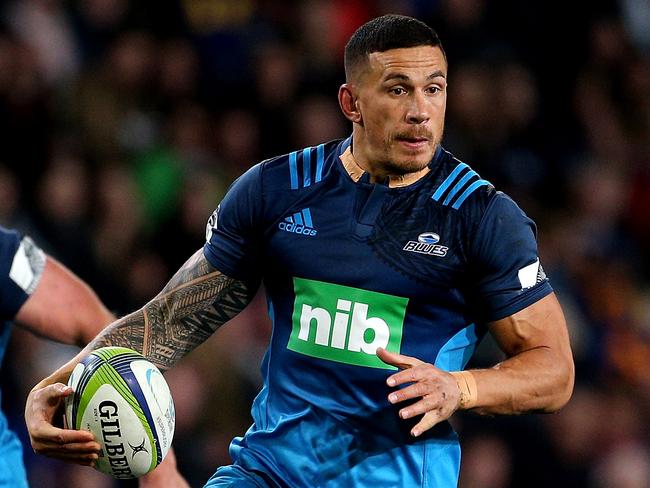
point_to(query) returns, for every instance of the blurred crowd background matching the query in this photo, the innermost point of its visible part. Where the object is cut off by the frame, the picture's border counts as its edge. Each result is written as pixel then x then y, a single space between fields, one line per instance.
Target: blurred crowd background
pixel 123 123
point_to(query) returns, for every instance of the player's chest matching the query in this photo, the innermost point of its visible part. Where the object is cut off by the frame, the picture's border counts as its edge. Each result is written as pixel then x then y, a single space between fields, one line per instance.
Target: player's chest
pixel 369 238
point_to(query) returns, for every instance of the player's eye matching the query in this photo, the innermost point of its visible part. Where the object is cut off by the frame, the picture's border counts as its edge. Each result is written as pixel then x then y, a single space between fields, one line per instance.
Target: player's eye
pixel 434 89
pixel 397 90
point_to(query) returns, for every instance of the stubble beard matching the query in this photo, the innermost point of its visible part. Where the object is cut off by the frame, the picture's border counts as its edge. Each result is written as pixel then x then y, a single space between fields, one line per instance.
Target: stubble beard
pixel 403 168
pixel 405 165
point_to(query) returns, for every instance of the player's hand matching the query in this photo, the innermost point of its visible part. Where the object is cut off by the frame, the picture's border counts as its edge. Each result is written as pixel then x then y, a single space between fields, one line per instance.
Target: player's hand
pixel 165 475
pixel 435 390
pixel 72 446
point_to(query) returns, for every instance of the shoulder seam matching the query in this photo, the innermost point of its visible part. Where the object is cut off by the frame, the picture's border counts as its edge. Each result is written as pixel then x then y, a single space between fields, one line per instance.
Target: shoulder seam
pixel 480 224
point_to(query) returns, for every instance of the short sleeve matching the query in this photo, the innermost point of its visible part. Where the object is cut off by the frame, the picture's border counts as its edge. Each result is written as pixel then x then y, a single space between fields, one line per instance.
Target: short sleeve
pixel 507 273
pixel 21 267
pixel 232 233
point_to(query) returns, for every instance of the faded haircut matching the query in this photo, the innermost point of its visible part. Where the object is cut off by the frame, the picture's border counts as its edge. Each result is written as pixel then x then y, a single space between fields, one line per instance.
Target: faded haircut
pixel 384 33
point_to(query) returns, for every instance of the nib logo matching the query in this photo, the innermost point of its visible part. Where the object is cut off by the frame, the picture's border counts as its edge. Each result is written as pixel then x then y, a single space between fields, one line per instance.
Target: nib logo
pixel 299 223
pixel 344 324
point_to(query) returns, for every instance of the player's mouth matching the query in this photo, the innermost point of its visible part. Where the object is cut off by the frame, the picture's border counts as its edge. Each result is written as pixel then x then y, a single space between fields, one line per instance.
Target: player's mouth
pixel 413 143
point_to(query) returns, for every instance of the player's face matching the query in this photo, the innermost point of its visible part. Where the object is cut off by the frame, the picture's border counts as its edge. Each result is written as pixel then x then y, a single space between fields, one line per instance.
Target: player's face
pixel 402 97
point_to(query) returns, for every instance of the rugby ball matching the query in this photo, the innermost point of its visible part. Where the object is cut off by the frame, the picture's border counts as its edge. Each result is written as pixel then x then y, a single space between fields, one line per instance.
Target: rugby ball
pixel 124 400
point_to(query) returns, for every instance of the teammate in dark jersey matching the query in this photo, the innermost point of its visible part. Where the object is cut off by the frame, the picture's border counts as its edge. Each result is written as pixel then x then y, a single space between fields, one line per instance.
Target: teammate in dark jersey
pixel 40 294
pixel 385 260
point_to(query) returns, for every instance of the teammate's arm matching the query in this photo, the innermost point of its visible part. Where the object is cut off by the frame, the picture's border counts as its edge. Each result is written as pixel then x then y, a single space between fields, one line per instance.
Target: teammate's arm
pixel 63 308
pixel 537 375
pixel 196 301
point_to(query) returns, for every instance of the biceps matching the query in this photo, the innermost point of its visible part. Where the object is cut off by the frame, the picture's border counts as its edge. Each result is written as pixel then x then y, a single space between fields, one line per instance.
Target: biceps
pixel 541 324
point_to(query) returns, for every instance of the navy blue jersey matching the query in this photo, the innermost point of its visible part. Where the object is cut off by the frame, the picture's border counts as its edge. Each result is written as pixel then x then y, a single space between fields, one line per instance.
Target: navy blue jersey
pixel 350 266
pixel 21 266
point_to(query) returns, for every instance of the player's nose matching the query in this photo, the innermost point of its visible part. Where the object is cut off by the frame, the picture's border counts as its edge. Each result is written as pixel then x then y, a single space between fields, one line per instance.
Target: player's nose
pixel 418 110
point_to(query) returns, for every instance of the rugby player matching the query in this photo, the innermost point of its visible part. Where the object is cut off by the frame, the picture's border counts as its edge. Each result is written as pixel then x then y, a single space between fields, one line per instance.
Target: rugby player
pixel 385 260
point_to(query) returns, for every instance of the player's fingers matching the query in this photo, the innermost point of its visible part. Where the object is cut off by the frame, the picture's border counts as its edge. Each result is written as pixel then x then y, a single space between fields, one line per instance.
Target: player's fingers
pixel 72 447
pixel 51 395
pixel 416 390
pixel 399 360
pixel 423 406
pixel 48 433
pixel 410 375
pixel 419 372
pixel 45 435
pixel 42 405
pixel 83 447
pixel 82 459
pixel 429 419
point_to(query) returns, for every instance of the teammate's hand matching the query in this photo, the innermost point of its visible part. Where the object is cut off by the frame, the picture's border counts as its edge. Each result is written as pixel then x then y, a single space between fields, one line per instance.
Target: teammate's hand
pixel 436 390
pixel 72 446
pixel 165 475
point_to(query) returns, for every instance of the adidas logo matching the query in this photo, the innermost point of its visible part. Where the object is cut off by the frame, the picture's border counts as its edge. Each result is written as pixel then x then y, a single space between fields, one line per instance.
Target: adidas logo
pixel 299 223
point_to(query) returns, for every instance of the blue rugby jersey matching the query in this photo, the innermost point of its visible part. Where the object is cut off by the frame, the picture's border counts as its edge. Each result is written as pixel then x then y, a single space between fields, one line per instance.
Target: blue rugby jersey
pixel 18 279
pixel 348 267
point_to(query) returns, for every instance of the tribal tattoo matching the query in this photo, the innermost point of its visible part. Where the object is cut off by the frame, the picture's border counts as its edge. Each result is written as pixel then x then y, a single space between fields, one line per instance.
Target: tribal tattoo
pixel 192 306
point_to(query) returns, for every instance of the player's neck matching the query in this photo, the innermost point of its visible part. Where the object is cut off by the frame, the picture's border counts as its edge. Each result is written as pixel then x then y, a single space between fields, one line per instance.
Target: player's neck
pixel 356 171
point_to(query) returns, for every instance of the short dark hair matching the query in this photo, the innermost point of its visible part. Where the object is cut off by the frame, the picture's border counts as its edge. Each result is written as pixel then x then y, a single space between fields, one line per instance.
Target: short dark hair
pixel 384 33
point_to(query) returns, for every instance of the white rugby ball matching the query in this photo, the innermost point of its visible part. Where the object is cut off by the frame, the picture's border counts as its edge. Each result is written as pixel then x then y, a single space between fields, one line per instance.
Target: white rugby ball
pixel 124 400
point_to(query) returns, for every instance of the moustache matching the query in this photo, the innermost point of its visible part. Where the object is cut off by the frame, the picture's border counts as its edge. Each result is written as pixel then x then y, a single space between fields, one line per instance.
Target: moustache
pixel 415 134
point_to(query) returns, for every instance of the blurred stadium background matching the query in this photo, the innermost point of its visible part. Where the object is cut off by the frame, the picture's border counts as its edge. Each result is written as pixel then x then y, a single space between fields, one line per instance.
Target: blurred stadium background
pixel 122 123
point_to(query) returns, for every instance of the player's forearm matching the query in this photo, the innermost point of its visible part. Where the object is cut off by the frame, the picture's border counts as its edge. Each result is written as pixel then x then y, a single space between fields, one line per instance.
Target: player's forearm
pixel 537 380
pixel 194 304
pixel 539 372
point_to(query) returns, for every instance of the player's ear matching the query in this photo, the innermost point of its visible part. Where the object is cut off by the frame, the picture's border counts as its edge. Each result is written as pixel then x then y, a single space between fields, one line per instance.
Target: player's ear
pixel 348 102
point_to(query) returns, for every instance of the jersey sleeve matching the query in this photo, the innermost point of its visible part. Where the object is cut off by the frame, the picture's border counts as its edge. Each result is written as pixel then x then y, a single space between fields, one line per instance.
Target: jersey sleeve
pixel 233 230
pixel 508 276
pixel 21 267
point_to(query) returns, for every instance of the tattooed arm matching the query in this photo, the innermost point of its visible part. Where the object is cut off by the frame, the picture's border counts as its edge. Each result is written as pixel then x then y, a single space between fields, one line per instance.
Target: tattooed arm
pixel 194 304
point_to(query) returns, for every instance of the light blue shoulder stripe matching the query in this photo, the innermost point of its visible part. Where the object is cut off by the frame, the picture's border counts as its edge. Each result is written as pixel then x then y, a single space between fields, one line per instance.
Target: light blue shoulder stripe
pixel 468 176
pixel 447 183
pixel 306 213
pixel 306 166
pixel 320 160
pixel 455 353
pixel 293 170
pixel 468 192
